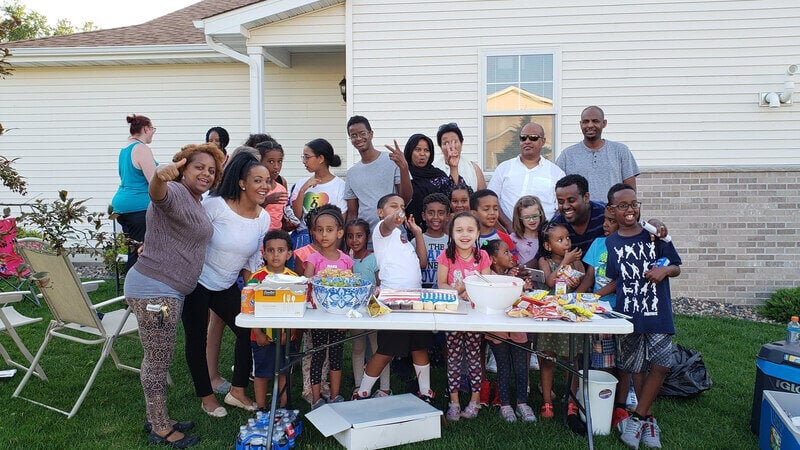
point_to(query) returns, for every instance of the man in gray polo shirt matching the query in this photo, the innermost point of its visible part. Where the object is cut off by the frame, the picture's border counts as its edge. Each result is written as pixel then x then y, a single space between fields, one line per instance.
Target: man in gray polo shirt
pixel 604 163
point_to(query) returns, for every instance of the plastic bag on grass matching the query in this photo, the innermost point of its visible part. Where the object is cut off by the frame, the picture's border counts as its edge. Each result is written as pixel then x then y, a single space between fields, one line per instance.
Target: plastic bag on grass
pixel 688 376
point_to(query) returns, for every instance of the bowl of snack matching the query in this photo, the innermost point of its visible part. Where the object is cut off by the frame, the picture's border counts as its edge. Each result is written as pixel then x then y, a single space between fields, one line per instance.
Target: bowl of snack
pixel 493 294
pixel 338 293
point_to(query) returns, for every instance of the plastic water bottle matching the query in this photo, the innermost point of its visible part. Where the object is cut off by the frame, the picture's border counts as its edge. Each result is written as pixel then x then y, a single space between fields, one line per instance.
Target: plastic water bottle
pixel 631 402
pixel 793 332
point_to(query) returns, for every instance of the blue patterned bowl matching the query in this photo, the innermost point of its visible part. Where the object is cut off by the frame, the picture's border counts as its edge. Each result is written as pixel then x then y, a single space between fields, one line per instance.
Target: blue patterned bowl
pixel 340 299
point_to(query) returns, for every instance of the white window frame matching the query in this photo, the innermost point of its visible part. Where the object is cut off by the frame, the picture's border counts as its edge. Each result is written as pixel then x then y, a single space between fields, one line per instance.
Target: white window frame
pixel 483 55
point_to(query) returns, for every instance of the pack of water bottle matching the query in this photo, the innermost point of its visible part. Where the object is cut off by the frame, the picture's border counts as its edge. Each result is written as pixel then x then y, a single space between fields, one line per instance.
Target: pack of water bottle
pixel 286 429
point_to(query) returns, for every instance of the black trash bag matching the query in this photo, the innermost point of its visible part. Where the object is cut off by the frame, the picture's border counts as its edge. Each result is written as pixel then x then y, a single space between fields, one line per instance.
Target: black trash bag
pixel 688 376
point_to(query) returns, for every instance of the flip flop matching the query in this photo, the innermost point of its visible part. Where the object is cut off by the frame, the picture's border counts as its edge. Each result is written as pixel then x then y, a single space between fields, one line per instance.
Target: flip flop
pixel 223 388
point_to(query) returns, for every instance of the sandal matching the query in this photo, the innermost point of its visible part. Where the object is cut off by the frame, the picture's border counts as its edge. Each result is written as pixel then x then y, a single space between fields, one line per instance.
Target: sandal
pixel 547 411
pixel 223 387
pixel 184 442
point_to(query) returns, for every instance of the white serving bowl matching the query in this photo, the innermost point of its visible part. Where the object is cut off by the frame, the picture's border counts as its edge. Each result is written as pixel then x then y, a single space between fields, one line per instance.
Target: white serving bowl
pixel 495 296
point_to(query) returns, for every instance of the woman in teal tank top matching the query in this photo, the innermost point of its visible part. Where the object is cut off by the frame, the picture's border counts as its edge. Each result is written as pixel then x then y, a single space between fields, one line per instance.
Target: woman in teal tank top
pixel 136 167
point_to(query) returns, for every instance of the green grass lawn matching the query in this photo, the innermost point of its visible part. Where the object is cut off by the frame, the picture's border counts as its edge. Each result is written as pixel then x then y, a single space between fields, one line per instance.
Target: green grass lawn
pixel 112 415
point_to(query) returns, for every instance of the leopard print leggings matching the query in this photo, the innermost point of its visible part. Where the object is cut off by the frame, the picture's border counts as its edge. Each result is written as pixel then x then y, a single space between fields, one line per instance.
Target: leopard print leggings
pixel 158 342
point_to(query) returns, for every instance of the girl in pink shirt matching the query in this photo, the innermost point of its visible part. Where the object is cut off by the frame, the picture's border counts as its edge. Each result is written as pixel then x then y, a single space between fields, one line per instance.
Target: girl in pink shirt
pixel 328 232
pixel 462 259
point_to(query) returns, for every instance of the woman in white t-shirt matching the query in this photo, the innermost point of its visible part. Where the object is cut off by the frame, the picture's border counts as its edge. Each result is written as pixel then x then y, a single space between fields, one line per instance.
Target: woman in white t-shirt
pixel 240 224
pixel 319 189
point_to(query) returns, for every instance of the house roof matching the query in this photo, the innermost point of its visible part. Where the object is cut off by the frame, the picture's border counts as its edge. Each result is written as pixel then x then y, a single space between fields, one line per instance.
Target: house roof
pixel 176 28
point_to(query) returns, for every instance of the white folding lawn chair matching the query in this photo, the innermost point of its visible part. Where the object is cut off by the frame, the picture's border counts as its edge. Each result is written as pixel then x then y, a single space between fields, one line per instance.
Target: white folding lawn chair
pixel 75 318
pixel 10 319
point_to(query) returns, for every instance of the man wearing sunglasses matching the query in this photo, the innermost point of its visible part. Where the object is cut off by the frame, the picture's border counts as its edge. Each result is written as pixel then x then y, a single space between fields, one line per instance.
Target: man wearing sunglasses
pixel 604 163
pixel 528 174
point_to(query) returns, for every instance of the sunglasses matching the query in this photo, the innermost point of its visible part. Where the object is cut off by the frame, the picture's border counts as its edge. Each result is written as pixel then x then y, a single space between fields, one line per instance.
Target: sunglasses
pixel 529 137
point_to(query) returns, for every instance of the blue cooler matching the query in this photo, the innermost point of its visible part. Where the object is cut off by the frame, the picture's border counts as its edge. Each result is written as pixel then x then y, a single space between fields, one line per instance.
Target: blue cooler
pixel 777 429
pixel 777 369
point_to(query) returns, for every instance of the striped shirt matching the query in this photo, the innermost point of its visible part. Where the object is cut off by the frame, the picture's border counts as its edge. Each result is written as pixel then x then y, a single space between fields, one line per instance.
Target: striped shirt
pixel 593 231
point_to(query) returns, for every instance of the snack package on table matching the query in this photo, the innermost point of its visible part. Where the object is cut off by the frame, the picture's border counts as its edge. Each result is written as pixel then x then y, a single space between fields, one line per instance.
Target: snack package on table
pixel 570 275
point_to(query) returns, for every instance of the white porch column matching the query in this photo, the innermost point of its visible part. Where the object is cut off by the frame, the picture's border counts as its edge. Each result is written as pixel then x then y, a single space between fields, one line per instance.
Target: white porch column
pixel 256 63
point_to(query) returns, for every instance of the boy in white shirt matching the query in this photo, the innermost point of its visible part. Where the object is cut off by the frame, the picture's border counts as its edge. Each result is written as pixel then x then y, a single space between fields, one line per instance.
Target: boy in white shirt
pixel 399 263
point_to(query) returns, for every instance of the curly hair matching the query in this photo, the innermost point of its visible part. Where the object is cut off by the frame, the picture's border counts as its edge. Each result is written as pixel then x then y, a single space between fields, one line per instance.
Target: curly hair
pixel 190 151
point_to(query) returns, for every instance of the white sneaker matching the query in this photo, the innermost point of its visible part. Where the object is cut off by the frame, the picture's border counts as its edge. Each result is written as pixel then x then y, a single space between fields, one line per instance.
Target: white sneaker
pixel 631 432
pixel 651 434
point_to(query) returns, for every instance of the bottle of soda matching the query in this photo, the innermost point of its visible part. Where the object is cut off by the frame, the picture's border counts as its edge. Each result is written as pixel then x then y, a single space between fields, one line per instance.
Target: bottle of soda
pixel 793 332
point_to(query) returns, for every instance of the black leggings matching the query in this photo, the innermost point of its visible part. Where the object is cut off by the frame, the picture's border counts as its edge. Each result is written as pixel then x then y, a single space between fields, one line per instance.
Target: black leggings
pixel 227 304
pixel 507 355
pixel 334 352
pixel 133 225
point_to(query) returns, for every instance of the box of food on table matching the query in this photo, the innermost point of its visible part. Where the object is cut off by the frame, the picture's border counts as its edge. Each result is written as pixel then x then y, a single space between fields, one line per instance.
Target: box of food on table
pixel 419 300
pixel 281 296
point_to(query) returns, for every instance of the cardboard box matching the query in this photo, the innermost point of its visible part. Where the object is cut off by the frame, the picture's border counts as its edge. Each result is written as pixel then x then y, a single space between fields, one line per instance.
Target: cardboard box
pixel 378 422
pixel 280 301
pixel 777 430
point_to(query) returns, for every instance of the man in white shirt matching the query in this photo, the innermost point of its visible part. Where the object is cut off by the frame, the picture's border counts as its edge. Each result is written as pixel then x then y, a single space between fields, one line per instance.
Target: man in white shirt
pixel 527 174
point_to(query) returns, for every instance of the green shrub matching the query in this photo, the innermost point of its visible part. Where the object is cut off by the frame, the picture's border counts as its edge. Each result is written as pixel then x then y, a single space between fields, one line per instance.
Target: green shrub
pixel 782 305
pixel 110 257
pixel 26 232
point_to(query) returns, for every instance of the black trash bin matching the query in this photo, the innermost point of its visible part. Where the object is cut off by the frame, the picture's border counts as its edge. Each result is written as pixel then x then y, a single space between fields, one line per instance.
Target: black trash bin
pixel 777 369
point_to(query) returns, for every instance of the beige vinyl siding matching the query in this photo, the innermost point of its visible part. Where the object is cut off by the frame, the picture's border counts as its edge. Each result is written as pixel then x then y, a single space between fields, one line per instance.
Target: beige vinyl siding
pixel 67 125
pixel 323 27
pixel 679 81
pixel 304 103
pixel 71 121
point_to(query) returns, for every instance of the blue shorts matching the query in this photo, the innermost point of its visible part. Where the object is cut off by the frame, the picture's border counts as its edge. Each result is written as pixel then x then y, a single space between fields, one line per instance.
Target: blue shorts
pixel 264 360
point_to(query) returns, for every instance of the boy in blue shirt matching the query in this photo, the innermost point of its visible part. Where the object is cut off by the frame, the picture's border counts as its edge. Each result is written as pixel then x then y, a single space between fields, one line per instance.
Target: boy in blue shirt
pixel 436 212
pixel 636 262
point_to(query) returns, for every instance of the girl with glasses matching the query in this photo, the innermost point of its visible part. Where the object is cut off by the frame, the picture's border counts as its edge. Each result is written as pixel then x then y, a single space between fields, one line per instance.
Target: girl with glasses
pixel 527 219
pixel 321 188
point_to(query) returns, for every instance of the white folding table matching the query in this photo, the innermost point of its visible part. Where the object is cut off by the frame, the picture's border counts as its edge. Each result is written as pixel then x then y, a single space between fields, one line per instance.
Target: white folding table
pixel 432 321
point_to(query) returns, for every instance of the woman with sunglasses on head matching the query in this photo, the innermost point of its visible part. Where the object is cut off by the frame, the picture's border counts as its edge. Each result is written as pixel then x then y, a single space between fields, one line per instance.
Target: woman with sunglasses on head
pixel 136 168
pixel 450 138
pixel 321 188
pixel 176 220
pixel 527 174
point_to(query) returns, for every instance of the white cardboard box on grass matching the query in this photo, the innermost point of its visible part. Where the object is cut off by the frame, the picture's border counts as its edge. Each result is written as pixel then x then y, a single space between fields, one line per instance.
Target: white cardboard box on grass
pixel 378 422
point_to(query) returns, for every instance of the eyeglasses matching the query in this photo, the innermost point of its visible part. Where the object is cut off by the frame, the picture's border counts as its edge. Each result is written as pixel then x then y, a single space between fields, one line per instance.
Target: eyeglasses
pixel 529 137
pixel 362 135
pixel 625 206
pixel 307 157
pixel 531 218
pixel 154 128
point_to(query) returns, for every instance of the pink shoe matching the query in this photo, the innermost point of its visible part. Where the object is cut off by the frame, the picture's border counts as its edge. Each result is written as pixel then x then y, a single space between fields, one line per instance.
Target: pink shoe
pixel 471 411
